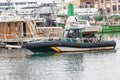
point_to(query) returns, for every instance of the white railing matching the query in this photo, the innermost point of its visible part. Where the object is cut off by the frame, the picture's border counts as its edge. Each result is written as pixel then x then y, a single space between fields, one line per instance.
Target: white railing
pixel 50 31
pixel 7 36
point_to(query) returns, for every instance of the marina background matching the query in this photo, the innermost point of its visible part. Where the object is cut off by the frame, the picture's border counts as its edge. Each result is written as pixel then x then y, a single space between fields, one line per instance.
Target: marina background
pixel 15 64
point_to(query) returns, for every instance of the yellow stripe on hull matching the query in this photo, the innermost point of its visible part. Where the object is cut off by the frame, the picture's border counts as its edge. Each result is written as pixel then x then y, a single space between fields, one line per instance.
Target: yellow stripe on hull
pixel 56 49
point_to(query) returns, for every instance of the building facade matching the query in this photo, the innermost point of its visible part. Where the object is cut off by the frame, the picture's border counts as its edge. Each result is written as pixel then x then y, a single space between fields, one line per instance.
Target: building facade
pixel 111 6
pixel 86 4
pixel 108 6
pixel 76 3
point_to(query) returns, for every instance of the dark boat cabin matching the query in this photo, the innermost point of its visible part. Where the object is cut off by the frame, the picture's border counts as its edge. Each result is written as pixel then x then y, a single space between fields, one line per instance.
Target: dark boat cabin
pixel 73 33
pixel 77 34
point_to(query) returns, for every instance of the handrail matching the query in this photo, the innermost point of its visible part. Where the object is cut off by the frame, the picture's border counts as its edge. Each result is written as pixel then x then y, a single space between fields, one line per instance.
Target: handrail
pixel 7 37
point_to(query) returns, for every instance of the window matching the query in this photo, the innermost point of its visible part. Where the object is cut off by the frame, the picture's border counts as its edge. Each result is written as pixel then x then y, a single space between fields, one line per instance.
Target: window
pixel 108 9
pixel 32 2
pixel 119 1
pixel 88 2
pixel 119 7
pixel 20 3
pixel 73 34
pixel 102 1
pixel 1 4
pixel 6 4
pixel 114 8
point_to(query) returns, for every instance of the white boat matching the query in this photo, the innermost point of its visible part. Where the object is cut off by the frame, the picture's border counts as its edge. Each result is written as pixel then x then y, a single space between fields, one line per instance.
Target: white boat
pixel 15 30
pixel 82 23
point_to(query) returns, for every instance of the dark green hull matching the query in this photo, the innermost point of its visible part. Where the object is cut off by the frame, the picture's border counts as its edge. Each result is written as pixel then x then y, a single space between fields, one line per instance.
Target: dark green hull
pixel 60 46
pixel 42 49
pixel 110 28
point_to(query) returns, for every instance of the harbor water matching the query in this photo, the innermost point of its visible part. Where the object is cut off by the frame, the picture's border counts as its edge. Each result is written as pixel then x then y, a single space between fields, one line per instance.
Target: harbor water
pixel 17 64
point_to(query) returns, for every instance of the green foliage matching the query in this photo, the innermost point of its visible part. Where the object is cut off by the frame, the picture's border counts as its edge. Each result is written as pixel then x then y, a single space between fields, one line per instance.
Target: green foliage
pixel 99 17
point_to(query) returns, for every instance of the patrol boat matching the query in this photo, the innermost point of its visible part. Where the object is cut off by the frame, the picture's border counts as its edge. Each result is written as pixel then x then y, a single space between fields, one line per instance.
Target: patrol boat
pixel 73 40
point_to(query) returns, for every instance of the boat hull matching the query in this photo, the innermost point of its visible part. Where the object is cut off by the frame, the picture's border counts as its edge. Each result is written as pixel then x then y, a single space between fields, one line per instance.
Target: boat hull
pixel 70 47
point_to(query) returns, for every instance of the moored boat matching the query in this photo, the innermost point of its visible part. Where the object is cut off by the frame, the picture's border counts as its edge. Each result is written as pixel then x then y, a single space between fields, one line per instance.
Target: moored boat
pixel 112 24
pixel 73 41
pixel 110 28
pixel 15 30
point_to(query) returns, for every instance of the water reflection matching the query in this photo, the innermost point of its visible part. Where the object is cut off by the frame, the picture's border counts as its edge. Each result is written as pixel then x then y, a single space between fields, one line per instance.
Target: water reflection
pixel 105 66
pixel 40 54
pixel 9 60
pixel 75 66
pixel 61 67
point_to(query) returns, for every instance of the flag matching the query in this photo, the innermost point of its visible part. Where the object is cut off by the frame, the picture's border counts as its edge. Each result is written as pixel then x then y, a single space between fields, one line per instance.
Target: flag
pixel 70 9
